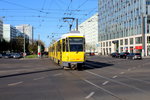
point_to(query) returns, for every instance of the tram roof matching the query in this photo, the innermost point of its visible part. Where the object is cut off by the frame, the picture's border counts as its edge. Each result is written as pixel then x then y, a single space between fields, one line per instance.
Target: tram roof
pixel 72 33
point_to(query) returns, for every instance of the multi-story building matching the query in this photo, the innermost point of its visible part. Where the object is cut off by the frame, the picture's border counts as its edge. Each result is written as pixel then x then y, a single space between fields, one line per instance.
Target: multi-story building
pixel 1 29
pixel 124 25
pixel 90 30
pixel 27 29
pixel 9 32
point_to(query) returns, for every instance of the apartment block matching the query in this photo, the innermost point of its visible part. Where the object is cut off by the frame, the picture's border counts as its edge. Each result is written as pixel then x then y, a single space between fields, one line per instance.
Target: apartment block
pixel 124 26
pixel 27 29
pixel 90 30
pixel 9 32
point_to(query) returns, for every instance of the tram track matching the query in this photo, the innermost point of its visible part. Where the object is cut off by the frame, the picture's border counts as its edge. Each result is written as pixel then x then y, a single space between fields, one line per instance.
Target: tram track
pixel 122 71
pixel 97 86
pixel 121 74
pixel 117 82
pixel 114 80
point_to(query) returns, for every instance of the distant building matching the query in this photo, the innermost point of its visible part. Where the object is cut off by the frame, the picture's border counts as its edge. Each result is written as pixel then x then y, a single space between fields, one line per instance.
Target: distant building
pixel 9 32
pixel 124 26
pixel 90 30
pixel 27 29
pixel 1 29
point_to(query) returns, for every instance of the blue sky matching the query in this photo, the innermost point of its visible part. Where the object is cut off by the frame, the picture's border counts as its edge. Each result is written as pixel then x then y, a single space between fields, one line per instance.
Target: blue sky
pixel 46 15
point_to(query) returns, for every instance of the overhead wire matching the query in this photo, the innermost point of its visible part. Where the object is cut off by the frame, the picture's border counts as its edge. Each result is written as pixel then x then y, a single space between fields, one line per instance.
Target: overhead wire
pixel 69 5
pixel 60 22
pixel 41 19
pixel 82 4
pixel 12 3
pixel 70 12
pixel 78 8
pixel 46 12
pixel 89 12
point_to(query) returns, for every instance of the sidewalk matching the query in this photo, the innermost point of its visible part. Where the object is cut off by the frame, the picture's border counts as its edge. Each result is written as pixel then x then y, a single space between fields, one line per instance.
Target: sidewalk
pixel 146 57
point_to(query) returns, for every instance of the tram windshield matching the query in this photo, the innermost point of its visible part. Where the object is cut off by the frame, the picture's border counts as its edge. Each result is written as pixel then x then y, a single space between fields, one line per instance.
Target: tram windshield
pixel 76 44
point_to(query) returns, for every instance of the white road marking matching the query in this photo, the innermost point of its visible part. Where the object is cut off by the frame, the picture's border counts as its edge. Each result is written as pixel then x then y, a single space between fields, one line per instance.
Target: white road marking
pixel 115 76
pixel 116 81
pixel 102 89
pixel 90 95
pixel 13 84
pixel 39 78
pixel 105 83
pixel 129 69
pixel 57 74
pixel 122 72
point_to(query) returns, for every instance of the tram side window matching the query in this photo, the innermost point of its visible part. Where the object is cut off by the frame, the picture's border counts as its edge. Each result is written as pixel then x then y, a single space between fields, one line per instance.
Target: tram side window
pixel 58 46
pixel 63 45
pixel 67 45
pixel 51 49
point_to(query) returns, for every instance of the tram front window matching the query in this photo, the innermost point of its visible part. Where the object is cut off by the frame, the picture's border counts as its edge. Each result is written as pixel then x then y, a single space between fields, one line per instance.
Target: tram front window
pixel 76 47
pixel 76 44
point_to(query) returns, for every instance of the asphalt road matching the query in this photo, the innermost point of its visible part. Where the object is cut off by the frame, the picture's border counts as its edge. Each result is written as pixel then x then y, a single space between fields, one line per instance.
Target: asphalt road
pixel 103 78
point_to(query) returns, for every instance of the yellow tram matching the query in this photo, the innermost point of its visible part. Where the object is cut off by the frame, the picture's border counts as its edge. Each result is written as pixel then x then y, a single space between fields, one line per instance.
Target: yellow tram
pixel 69 50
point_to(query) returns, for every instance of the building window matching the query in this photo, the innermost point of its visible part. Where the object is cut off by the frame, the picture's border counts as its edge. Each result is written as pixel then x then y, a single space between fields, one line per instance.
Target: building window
pixel 126 41
pixel 138 40
pixel 110 43
pixel 121 42
pixel 148 40
pixel 103 44
pixel 131 49
pixel 147 2
pixel 106 44
pixel 121 49
pixel 146 9
pixel 131 40
pixel 134 1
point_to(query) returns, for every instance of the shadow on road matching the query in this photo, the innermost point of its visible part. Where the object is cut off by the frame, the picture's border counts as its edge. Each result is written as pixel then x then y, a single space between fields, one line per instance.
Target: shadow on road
pixel 26 73
pixel 93 65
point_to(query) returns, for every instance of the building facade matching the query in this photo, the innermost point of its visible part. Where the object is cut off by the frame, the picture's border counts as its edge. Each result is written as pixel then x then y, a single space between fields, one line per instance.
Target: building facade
pixel 27 29
pixel 90 30
pixel 9 32
pixel 1 28
pixel 124 26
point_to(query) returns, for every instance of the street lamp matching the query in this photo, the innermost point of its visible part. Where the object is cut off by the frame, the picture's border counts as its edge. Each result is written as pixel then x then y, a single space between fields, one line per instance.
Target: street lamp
pixel 24 46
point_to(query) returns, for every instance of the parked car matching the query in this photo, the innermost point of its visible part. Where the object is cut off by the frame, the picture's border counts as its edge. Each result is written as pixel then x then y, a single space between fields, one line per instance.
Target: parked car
pixel 134 56
pixel 123 54
pixel 115 54
pixel 92 54
pixel 16 55
pixel 6 55
pixel 0 55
